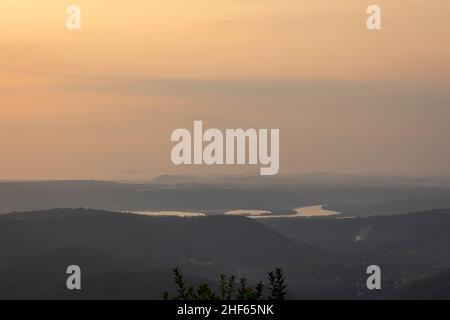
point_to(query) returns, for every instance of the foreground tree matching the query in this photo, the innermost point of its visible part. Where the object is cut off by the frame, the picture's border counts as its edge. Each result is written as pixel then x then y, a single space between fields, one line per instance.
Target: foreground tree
pixel 230 289
pixel 277 285
pixel 184 292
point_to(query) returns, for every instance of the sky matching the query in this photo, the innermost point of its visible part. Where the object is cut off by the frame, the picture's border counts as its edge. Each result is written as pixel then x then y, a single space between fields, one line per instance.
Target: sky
pixel 101 102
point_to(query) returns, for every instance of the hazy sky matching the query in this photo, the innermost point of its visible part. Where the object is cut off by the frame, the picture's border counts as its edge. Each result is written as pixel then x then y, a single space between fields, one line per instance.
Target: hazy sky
pixel 101 102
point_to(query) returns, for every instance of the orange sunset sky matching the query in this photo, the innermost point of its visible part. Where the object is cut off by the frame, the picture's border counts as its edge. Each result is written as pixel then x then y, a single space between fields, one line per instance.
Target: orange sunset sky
pixel 102 102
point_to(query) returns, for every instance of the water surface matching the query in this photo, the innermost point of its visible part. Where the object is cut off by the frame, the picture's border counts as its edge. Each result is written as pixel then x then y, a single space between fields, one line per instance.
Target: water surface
pixel 248 213
pixel 311 211
pixel 182 214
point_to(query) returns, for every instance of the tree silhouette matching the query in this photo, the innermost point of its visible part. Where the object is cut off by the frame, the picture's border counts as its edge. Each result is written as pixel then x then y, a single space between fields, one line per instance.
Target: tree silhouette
pixel 243 291
pixel 205 293
pixel 277 285
pixel 184 292
pixel 228 289
pixel 259 288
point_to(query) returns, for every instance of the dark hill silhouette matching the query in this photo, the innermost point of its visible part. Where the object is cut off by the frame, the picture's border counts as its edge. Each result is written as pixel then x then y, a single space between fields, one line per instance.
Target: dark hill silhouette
pixel 103 277
pixel 131 256
pixel 433 287
pixel 150 239
pixel 408 246
pixel 421 230
pixel 45 242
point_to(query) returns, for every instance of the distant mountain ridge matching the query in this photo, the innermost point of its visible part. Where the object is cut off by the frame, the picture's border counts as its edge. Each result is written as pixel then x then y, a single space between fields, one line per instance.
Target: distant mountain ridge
pixel 220 196
pixel 330 179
